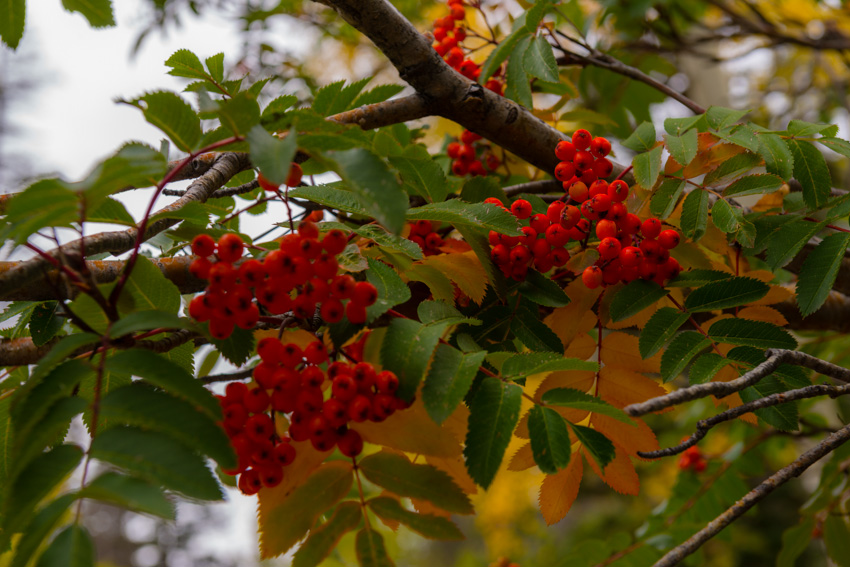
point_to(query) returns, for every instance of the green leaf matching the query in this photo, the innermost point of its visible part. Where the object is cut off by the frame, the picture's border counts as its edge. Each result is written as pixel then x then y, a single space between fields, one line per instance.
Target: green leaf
pixel 35 534
pixel 370 549
pixel 542 290
pixel 517 82
pixel 725 294
pixel 215 65
pixel 480 216
pixel 571 398
pixel 836 145
pixel 659 329
pixel 811 171
pixel 332 197
pixel 147 320
pixel 782 416
pixel 732 168
pixel 272 155
pixel 705 367
pixel 378 94
pixel 600 447
pixel 647 167
pixel 35 400
pixel 788 240
pixel 130 493
pixel 695 214
pixel 526 324
pixel 289 521
pixel 754 185
pixel 426 525
pixel 795 540
pixel 539 61
pixel 238 347
pixel 680 352
pixel 391 288
pixel 48 431
pixel 493 413
pixel 45 203
pixel 35 481
pixel 322 540
pixel 450 376
pixel 424 482
pixel 12 24
pixel 634 298
pixel 550 440
pixel 407 349
pixel 502 52
pixel 184 63
pixel 836 535
pixel 751 333
pixel 97 12
pixel 425 176
pixel 697 278
pixel 675 126
pixel 5 445
pixel 370 178
pixel 526 364
pixel 642 139
pixel 741 135
pixel 113 212
pixel 820 268
pixel 801 129
pixel 683 147
pixel 165 374
pixel 58 353
pixel 432 311
pixel 73 547
pixel 45 323
pixel 139 405
pixel 778 159
pixel 239 113
pixel 666 197
pixel 335 98
pixel 719 117
pixel 723 216
pixel 171 114
pixel 157 458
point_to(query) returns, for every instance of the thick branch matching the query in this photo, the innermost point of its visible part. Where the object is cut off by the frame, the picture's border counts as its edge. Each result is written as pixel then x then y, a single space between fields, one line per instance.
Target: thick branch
pixel 722 389
pixel 795 469
pixel 386 113
pixel 226 166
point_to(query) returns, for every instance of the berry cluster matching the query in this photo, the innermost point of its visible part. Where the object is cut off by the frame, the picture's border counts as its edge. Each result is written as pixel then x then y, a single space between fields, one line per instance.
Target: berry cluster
pixel 292 180
pixel 290 381
pixel 542 244
pixel 305 266
pixel 692 459
pixel 423 234
pixel 467 155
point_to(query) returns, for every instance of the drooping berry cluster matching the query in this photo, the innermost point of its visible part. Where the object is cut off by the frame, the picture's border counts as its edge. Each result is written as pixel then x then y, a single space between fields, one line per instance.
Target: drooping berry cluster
pixel 468 153
pixel 542 244
pixel 292 180
pixel 692 459
pixel 301 276
pixel 423 234
pixel 289 386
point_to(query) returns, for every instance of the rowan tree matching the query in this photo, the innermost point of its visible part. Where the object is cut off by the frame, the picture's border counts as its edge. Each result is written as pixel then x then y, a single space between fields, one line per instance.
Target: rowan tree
pixel 554 272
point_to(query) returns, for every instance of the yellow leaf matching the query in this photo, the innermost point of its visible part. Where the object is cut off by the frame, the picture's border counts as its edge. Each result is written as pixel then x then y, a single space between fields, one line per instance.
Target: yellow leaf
pixel 581 260
pixel 716 154
pixel 411 430
pixel 620 349
pixel 777 294
pixel 581 380
pixel 765 276
pixel 425 507
pixel 576 318
pixel 621 387
pixel 771 200
pixel 582 347
pixel 441 286
pixel 464 269
pixel 455 468
pixel 299 337
pixel 558 492
pixel 523 459
pixel 632 438
pixel 619 474
pixel 285 522
pixel 763 313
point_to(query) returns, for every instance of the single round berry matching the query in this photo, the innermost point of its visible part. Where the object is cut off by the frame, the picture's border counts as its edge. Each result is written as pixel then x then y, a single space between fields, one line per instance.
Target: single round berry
pixel 203 245
pixel 266 184
pixel 521 209
pixel 350 444
pixel 618 190
pixel 295 174
pixel 565 151
pixel 582 139
pixel 668 239
pixel 600 147
pixel 650 228
pixel 592 277
pixel 565 171
pixel 230 247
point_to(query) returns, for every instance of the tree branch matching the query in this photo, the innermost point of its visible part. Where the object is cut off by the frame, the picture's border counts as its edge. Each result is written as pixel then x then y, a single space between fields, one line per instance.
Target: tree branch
pixel 795 469
pixel 775 357
pixel 226 166
pixel 386 113
pixel 704 425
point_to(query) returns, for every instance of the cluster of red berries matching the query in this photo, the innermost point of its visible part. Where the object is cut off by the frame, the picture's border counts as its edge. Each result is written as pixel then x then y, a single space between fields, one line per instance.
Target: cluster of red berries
pixel 467 155
pixel 423 234
pixel 692 459
pixel 304 264
pixel 292 180
pixel 290 381
pixel 542 244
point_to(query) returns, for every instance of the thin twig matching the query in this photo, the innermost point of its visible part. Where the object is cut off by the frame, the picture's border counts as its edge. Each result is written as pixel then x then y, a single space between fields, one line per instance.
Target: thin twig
pixel 795 469
pixel 229 377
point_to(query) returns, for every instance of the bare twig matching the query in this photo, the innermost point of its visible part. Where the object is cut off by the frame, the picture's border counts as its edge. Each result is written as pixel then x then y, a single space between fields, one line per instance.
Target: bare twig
pixel 795 469
pixel 228 377
pixel 775 357
pixel 219 193
pixel 704 425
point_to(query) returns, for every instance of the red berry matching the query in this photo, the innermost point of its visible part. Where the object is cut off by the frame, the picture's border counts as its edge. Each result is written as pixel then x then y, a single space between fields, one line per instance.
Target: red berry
pixel 565 171
pixel 334 241
pixel 356 312
pixel 200 268
pixel 578 192
pixel 582 139
pixel 350 444
pixel 520 255
pixel 631 256
pixel 539 223
pixel 469 137
pixel 364 293
pixel 600 147
pixel 252 273
pixel 557 235
pixel 386 382
pixel 453 150
pixel 559 257
pixel 605 229
pixel 221 329
pixel 342 286
pixel 570 216
pixel 601 202
pixel 344 387
pixel 295 174
pixel 521 209
pixel 583 160
pixel 618 190
pixel 249 482
pixel 609 248
pixel 332 310
pixel 602 167
pixel 565 151
pixel 203 245
pixel 360 408
pixel 651 227
pixel 284 453
pixel 668 239
pixel 316 353
pixel 500 254
pixel 266 184
pixel 592 277
pixel 259 427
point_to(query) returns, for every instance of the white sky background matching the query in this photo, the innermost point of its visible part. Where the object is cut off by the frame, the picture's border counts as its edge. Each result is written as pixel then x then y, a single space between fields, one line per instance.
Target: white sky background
pixel 70 122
